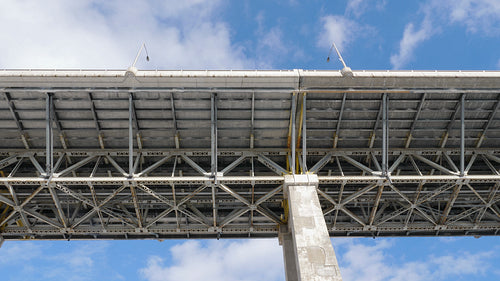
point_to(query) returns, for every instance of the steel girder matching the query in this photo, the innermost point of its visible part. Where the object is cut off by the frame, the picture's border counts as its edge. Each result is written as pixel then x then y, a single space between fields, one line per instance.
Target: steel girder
pixel 170 195
pixel 173 154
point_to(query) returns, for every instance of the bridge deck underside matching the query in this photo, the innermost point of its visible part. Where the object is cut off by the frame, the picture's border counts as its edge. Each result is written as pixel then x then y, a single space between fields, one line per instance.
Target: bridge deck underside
pixel 429 186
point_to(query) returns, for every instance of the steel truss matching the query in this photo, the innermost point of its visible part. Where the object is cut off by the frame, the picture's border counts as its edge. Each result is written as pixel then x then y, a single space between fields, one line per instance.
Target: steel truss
pixel 397 184
pixel 172 194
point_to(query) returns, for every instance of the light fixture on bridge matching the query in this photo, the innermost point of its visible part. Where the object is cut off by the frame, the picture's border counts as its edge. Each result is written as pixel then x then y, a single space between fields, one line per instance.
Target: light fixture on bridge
pixel 346 71
pixel 132 70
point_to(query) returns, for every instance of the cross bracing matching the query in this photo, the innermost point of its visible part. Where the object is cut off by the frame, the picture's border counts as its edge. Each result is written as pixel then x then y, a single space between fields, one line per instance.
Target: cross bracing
pixel 180 154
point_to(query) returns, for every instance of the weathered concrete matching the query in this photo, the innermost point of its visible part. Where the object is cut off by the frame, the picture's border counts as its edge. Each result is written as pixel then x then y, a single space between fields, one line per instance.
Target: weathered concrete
pixel 1 241
pixel 313 252
pixel 286 241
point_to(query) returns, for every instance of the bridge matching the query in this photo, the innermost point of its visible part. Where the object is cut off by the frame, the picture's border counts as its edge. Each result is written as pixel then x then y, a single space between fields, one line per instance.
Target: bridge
pixel 302 155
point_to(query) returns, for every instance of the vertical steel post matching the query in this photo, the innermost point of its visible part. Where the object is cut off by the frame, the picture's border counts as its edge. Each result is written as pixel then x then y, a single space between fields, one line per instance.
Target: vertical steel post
pixel 294 109
pixel 304 135
pixel 213 145
pixel 252 135
pixel 130 136
pixel 462 136
pixel 385 134
pixel 213 133
pixel 49 137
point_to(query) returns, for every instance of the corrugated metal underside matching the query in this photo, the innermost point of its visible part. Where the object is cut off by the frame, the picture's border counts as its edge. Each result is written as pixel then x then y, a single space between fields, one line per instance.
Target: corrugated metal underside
pixel 174 191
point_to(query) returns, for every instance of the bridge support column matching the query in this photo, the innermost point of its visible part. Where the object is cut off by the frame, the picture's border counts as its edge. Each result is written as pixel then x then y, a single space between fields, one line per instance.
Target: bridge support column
pixel 307 249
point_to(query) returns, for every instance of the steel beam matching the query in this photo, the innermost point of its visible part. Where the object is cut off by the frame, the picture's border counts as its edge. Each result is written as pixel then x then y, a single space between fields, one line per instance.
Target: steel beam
pixel 444 138
pixel 482 135
pixel 293 110
pixel 49 136
pixel 15 197
pixel 371 140
pixel 303 117
pixel 57 203
pixel 137 208
pixel 118 167
pixel 449 204
pixel 193 165
pixel 339 121
pixel 385 135
pixel 434 165
pixel 462 136
pixel 74 166
pixel 233 165
pixel 358 165
pixel 213 136
pixel 267 180
pixel 413 124
pixel 252 123
pixel 174 121
pixel 375 204
pixel 9 161
pixel 130 135
pixel 15 116
pixel 154 166
pixel 321 163
pixel 93 193
pixel 271 165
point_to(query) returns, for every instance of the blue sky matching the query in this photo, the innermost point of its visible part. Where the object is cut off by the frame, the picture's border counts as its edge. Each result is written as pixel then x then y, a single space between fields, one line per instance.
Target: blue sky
pixel 277 34
pixel 454 258
pixel 250 34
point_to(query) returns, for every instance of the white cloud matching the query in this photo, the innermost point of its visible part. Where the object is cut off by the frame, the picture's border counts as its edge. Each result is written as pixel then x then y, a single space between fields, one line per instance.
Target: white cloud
pixel 219 260
pixel 359 7
pixel 478 16
pixel 45 261
pixel 18 252
pixel 338 29
pixel 411 39
pixel 270 46
pixel 356 7
pixel 481 16
pixel 464 263
pixel 79 263
pixel 107 34
pixel 273 39
pixel 365 262
pixel 372 262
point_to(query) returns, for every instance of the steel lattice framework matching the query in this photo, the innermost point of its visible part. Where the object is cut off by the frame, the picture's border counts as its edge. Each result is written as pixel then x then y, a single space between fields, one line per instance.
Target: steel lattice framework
pixel 203 154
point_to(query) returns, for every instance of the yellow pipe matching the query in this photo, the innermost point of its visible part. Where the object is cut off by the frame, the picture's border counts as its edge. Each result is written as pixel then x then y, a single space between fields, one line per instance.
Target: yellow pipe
pixel 284 205
pixel 297 167
pixel 299 136
pixel 289 140
pixel 287 163
pixel 3 216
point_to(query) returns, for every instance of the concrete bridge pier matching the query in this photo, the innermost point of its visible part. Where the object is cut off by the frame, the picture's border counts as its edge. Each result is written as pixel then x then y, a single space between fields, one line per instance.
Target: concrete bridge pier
pixel 307 249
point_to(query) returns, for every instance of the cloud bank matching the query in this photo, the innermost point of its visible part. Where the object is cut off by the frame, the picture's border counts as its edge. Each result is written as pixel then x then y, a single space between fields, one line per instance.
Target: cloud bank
pixel 219 260
pixel 107 34
pixel 371 261
pixel 477 16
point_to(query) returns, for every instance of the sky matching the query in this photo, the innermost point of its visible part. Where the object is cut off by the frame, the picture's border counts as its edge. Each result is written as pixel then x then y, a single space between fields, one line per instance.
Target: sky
pixel 249 34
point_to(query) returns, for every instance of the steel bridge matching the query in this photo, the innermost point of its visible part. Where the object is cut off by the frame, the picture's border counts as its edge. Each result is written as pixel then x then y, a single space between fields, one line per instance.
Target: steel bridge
pixel 205 154
pixel 179 154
